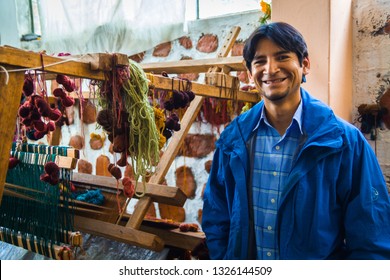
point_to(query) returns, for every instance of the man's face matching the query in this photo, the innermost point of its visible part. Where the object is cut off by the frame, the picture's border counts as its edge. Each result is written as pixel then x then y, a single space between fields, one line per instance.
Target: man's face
pixel 276 72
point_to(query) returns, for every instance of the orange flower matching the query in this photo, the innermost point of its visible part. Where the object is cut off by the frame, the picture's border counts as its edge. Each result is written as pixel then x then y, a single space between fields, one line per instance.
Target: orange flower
pixel 266 10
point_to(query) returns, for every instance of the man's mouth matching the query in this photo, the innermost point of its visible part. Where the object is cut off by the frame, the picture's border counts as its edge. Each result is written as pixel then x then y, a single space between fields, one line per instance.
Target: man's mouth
pixel 273 81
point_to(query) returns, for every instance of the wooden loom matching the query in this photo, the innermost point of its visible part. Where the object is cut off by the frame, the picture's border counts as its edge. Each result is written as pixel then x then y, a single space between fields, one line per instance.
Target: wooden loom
pixel 45 226
pixel 103 220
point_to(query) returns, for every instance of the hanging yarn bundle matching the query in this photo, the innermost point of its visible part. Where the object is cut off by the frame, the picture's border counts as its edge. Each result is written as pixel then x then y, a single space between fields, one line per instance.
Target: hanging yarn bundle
pixel 172 103
pixel 37 117
pixel 159 119
pixel 129 120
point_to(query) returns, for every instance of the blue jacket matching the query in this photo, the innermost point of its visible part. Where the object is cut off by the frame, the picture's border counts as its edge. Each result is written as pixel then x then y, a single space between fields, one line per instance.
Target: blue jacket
pixel 335 204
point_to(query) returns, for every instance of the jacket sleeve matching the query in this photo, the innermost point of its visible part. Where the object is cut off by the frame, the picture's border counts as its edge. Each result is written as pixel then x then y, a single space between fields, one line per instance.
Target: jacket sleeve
pixel 215 216
pixel 367 214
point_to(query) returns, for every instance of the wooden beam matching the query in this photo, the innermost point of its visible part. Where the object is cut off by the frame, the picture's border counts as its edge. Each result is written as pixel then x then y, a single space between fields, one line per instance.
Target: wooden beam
pixel 236 63
pixel 32 60
pixel 176 238
pixel 229 41
pixel 104 61
pixel 158 193
pixel 141 208
pixel 29 158
pixel 119 233
pixel 47 149
pixel 204 90
pixel 17 240
pixel 171 236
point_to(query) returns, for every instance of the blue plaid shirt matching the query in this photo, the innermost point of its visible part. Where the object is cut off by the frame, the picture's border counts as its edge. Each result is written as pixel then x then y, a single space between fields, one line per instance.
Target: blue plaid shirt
pixel 274 156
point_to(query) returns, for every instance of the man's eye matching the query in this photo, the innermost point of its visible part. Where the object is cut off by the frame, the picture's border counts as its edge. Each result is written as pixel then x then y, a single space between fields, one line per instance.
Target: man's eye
pixel 260 62
pixel 282 57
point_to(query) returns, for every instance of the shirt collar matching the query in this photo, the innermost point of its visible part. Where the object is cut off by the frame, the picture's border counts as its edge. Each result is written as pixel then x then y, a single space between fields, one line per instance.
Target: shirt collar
pixel 297 117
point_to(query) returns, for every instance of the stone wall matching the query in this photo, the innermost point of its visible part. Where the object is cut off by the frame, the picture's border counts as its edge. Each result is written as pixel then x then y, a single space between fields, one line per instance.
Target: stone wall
pixel 190 169
pixel 371 74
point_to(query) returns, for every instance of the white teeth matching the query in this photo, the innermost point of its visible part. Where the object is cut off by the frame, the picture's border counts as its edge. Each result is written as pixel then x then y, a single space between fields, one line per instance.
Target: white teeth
pixel 274 81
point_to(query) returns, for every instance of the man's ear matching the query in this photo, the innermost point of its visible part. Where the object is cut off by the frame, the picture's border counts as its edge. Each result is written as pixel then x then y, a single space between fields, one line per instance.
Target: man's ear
pixel 250 76
pixel 306 66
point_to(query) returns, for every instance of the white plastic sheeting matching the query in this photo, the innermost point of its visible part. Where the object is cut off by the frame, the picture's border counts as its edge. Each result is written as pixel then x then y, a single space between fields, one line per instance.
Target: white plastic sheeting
pixel 124 26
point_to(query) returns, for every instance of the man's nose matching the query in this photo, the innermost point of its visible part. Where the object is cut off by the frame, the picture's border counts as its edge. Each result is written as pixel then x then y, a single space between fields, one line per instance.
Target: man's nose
pixel 271 67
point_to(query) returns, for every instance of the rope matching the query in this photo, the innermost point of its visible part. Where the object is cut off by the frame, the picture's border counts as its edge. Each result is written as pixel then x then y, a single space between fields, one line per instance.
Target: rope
pixel 6 74
pixel 40 67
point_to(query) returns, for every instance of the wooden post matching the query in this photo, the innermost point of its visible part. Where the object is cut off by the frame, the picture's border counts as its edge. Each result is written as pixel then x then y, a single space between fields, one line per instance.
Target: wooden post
pixel 10 95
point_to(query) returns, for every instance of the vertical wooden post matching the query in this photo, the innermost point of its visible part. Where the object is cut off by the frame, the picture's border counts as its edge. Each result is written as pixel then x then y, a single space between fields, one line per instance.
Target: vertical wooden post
pixel 10 95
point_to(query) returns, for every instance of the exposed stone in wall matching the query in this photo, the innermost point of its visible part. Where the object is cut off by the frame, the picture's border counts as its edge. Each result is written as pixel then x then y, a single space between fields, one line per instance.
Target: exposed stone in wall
pixel 84 166
pixel 96 143
pixel 238 47
pixel 189 76
pixel 76 141
pixel 185 181
pixel 102 163
pixel 138 57
pixel 207 43
pixel 186 42
pixel 207 165
pixel 174 213
pixel 162 50
pixel 89 113
pixel 198 145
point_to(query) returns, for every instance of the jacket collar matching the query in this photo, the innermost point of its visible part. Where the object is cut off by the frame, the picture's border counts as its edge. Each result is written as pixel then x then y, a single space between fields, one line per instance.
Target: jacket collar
pixel 318 122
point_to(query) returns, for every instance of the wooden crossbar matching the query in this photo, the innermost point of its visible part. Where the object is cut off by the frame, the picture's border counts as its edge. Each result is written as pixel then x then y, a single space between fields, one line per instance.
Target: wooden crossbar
pixel 235 63
pixel 39 245
pixel 46 149
pixel 158 193
pixel 39 159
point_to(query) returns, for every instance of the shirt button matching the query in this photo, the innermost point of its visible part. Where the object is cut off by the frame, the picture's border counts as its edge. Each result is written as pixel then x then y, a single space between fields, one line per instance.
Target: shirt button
pixel 269 254
pixel 275 173
pixel 269 227
pixel 277 148
pixel 273 200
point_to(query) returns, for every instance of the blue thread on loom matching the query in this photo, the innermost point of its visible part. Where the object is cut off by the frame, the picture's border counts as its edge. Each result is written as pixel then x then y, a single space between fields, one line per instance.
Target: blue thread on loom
pixel 92 196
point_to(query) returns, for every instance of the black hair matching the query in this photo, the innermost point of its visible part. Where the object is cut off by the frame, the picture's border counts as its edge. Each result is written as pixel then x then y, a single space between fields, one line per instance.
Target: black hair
pixel 282 34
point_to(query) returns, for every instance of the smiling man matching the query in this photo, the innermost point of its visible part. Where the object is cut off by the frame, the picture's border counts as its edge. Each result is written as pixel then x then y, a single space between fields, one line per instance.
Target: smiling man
pixel 290 180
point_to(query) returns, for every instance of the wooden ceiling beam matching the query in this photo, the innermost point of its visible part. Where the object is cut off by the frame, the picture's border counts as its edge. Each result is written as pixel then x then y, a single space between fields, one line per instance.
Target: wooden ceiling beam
pixel 235 63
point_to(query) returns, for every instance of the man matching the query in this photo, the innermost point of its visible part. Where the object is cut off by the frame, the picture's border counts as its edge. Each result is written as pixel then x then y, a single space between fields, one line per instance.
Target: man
pixel 289 179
